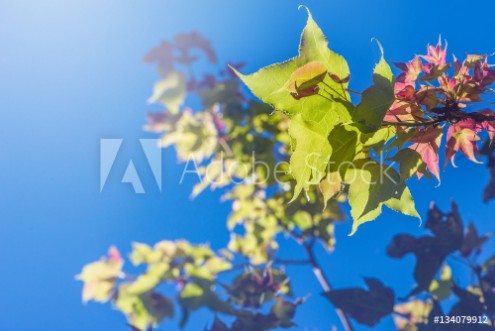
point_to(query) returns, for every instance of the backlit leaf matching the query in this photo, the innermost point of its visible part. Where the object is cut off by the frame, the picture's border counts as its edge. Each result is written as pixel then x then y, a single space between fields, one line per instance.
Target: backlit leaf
pixel 307 76
pixel 373 185
pixel 170 91
pixel 377 99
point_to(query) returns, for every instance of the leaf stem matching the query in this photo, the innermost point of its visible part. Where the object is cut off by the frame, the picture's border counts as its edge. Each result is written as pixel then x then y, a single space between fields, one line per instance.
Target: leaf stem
pixel 414 124
pixel 353 91
pixel 335 91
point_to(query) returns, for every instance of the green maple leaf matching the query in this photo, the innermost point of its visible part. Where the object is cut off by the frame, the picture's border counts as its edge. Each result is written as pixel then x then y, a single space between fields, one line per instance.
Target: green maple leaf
pixel 315 115
pixel 312 90
pixel 310 153
pixel 377 99
pixel 373 185
pixel 170 91
pixel 272 84
pixel 147 309
pixel 344 140
pixel 410 163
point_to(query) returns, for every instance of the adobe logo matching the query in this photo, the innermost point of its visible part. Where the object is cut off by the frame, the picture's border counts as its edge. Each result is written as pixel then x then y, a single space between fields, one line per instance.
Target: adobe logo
pixel 109 149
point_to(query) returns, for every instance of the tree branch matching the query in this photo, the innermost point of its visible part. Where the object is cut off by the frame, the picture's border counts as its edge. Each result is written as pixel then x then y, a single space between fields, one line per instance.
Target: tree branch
pixel 325 284
pixel 475 116
pixel 318 272
pixel 293 262
pixel 414 124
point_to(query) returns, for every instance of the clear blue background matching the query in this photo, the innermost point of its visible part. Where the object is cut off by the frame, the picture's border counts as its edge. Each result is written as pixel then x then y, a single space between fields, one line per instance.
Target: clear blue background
pixel 70 75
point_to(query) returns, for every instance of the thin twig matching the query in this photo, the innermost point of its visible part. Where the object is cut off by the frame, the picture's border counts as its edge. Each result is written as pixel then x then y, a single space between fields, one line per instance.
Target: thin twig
pixel 414 124
pixel 325 284
pixel 293 262
pixel 318 272
pixel 225 145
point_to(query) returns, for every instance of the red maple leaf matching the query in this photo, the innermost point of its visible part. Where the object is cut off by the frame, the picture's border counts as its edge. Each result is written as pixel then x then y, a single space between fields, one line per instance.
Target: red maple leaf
pixel 462 136
pixel 427 143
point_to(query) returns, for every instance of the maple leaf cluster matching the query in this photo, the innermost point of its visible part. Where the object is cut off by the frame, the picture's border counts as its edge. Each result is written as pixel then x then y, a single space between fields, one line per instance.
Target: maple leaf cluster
pixel 432 94
pixel 333 147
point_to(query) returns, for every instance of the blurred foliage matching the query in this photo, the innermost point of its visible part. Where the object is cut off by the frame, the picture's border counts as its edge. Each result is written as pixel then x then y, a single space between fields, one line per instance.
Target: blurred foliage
pixel 435 284
pixel 287 173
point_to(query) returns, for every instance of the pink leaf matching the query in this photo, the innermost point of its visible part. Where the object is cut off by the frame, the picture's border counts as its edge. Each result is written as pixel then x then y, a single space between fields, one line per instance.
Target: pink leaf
pixel 411 70
pixel 489 126
pixel 462 136
pixel 184 42
pixel 114 254
pixel 163 55
pixel 436 55
pixel 427 143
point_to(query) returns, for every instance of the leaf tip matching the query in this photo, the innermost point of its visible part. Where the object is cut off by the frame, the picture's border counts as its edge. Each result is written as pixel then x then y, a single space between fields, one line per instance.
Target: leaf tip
pixel 379 45
pixel 294 197
pixel 353 230
pixel 305 7
pixel 420 221
pixel 236 72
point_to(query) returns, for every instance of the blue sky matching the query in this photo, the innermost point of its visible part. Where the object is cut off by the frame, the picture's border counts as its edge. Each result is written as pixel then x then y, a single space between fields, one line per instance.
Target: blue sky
pixel 70 75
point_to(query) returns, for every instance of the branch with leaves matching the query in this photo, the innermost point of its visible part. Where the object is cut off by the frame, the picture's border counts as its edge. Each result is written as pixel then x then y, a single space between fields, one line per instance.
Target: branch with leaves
pixel 287 165
pixel 406 115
